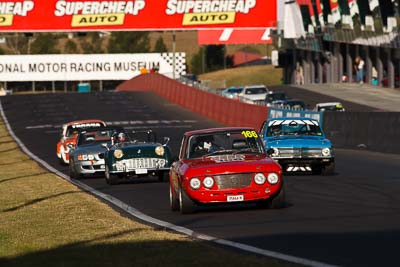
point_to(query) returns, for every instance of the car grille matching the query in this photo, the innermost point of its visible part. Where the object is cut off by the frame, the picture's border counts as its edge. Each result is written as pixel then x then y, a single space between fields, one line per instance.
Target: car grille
pixel 140 163
pixel 232 181
pixel 299 153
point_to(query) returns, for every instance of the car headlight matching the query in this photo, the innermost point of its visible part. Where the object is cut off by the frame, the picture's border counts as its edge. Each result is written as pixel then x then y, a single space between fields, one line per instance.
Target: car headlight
pixel 208 182
pixel 118 153
pixel 273 178
pixel 90 157
pixel 259 178
pixel 160 150
pixel 276 152
pixel 195 183
pixel 326 152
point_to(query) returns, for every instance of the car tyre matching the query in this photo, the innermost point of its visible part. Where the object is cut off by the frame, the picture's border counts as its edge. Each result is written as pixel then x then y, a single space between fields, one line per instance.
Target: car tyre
pixel 279 201
pixel 263 204
pixel 162 176
pixel 111 179
pixel 173 200
pixel 186 205
pixel 328 169
pixel 72 172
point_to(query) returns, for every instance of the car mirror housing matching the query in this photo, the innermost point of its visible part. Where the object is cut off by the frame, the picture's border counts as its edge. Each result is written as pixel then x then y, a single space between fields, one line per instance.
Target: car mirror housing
pixel 166 140
pixel 105 146
pixel 270 151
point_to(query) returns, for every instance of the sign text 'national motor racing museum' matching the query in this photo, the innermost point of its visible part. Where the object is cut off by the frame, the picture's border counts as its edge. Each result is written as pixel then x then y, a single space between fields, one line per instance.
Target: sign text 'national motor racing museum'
pixel 87 67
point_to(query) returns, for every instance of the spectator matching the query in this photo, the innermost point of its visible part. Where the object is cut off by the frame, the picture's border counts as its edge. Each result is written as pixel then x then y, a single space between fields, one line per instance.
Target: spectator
pixel 374 76
pixel 359 66
pixel 3 92
pixel 299 74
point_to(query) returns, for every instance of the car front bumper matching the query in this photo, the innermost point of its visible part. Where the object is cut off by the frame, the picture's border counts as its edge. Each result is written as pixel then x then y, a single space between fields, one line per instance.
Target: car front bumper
pixel 90 167
pixel 303 164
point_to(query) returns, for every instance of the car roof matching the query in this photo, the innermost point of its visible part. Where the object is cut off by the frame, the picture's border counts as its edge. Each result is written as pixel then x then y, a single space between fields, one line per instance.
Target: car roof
pixel 291 118
pixel 255 86
pixel 293 100
pixel 328 104
pixel 84 121
pixel 101 128
pixel 218 130
pixel 276 93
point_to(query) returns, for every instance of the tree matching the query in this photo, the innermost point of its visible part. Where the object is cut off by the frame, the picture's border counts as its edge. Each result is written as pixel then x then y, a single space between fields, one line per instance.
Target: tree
pixel 129 42
pixel 215 57
pixel 44 44
pixel 92 44
pixel 70 47
pixel 197 65
pixel 18 43
pixel 160 46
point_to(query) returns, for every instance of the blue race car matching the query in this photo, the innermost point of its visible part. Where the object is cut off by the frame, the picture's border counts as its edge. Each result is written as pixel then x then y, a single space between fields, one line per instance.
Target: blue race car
pixel 299 145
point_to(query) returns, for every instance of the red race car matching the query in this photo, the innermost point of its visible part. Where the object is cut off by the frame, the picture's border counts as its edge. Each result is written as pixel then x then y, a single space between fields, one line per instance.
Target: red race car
pixel 224 165
pixel 69 134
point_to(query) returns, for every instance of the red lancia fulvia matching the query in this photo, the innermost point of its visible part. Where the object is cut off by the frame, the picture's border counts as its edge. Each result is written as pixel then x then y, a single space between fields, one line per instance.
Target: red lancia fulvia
pixel 223 165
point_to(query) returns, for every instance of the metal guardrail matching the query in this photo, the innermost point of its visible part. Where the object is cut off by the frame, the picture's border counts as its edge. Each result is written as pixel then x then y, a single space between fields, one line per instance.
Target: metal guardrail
pixel 202 85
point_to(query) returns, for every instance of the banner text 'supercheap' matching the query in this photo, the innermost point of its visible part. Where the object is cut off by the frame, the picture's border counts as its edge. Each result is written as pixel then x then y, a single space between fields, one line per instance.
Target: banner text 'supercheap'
pixel 71 15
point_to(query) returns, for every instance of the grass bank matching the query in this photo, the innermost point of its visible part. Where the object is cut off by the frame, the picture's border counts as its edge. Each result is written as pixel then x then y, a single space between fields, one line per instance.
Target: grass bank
pixel 264 74
pixel 46 221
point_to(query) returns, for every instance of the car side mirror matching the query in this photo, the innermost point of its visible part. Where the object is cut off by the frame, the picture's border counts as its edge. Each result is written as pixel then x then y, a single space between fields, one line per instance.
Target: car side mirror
pixel 70 146
pixel 105 146
pixel 270 151
pixel 166 140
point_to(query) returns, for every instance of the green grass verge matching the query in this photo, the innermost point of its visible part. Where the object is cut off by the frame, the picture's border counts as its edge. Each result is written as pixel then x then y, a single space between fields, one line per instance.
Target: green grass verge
pixel 46 221
pixel 264 74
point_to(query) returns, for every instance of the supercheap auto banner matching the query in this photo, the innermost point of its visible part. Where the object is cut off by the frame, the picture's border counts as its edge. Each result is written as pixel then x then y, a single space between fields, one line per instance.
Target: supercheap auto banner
pixel 73 15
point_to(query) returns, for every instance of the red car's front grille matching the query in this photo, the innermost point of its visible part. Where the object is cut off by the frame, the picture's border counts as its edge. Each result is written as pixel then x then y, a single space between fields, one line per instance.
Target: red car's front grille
pixel 232 181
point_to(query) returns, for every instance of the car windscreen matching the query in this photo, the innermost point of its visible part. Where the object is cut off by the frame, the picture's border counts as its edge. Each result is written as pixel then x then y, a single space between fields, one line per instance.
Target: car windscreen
pixel 229 142
pixel 235 90
pixel 276 96
pixel 82 126
pixel 255 91
pixel 297 105
pixel 331 108
pixel 293 127
pixel 98 136
pixel 146 136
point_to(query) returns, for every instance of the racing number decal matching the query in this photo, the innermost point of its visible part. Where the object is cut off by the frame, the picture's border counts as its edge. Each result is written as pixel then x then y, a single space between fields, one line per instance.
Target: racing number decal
pixel 250 134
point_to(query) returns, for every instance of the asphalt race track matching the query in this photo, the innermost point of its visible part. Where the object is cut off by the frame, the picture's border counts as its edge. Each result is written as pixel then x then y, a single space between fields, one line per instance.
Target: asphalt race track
pixel 349 219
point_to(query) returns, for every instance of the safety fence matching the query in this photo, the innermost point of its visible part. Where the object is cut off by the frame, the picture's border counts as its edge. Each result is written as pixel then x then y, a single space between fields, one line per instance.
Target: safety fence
pixel 223 110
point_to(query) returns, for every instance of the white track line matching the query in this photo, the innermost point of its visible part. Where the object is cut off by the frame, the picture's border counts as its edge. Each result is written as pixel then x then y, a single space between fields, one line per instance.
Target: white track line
pixel 136 213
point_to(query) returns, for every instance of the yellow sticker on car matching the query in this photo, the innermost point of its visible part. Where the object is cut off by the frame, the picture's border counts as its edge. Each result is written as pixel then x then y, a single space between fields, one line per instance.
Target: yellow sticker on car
pixel 250 134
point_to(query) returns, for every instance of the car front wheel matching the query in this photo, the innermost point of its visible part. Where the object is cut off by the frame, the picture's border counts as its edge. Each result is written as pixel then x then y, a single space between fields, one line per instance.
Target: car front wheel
pixel 185 203
pixel 173 200
pixel 72 172
pixel 279 201
pixel 162 176
pixel 111 179
pixel 328 169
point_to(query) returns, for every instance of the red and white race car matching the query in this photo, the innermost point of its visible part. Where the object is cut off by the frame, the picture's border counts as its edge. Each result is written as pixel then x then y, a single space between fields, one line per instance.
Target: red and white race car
pixel 224 165
pixel 69 134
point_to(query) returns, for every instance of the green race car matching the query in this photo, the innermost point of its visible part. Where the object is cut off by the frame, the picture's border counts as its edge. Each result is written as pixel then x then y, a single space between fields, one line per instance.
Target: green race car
pixel 137 154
